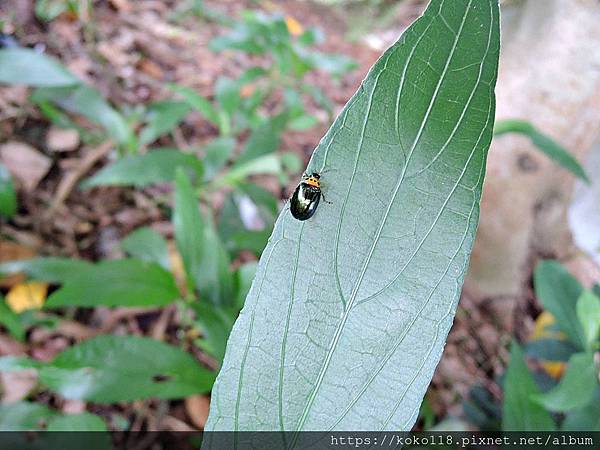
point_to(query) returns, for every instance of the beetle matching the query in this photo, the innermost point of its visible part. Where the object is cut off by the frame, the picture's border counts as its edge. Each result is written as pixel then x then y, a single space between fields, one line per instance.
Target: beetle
pixel 307 195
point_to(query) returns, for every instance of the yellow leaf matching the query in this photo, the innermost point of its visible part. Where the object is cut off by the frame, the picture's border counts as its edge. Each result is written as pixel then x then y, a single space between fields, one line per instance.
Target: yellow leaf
pixel 293 26
pixel 24 296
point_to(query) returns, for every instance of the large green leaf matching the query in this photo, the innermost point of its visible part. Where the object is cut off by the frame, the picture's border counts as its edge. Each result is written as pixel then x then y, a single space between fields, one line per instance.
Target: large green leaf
pixel 125 282
pixel 559 291
pixel 520 412
pixel 26 66
pixel 576 387
pixel 121 368
pixel 348 314
pixel 544 143
pixel 156 166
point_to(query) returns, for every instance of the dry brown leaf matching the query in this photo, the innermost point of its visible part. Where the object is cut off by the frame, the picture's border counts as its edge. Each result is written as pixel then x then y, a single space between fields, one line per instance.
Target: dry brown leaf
pixel 10 251
pixel 25 296
pixel 25 163
pixel 62 139
pixel 196 407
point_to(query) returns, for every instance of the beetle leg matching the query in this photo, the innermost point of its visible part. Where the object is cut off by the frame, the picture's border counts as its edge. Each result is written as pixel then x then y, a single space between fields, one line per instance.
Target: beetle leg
pixel 325 200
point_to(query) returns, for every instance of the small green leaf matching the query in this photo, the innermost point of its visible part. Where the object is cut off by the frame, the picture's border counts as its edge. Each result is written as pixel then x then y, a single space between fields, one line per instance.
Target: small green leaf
pixel 125 282
pixel 156 166
pixel 265 139
pixel 558 291
pixel 109 369
pixel 520 412
pixel 547 145
pixel 227 93
pixel 11 321
pixel 52 269
pixel 84 421
pixel 196 101
pixel 588 312
pixel 24 416
pixel 267 164
pixel 163 117
pixel 31 68
pixel 217 153
pixel 576 386
pixel 147 245
pixel 8 196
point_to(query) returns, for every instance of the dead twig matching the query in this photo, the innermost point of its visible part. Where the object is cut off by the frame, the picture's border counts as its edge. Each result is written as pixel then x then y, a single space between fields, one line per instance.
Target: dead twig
pixel 68 183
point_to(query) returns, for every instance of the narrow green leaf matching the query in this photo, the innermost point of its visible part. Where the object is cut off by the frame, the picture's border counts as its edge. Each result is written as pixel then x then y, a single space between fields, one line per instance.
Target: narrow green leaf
pixel 352 307
pixel 188 227
pixel 26 66
pixel 8 196
pixel 51 269
pixel 156 166
pixel 109 369
pixel 547 145
pixel 520 412
pixel 147 245
pixel 84 421
pixel 576 386
pixel 205 259
pixel 588 312
pixel 227 93
pixel 24 416
pixel 125 282
pixel 558 291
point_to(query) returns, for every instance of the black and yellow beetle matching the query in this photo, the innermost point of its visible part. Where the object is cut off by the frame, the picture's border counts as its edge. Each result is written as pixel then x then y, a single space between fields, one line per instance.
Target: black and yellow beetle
pixel 305 200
